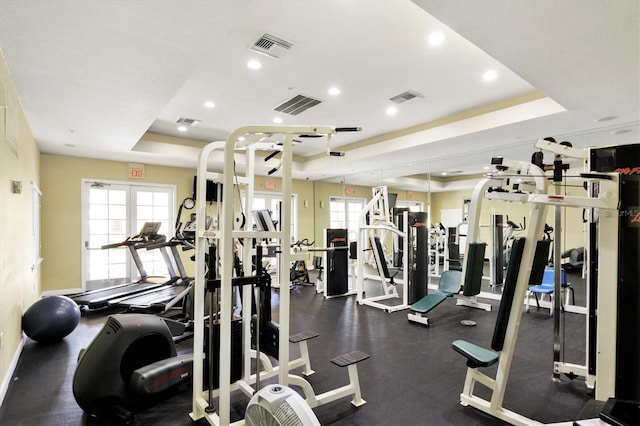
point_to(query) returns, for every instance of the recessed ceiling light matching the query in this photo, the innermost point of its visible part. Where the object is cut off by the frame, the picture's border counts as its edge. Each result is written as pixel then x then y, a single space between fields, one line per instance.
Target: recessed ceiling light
pixel 209 104
pixel 277 120
pixel 241 139
pixel 490 75
pixel 436 38
pixel 620 132
pixel 487 168
pixel 334 91
pixel 603 119
pixel 392 110
pixel 182 128
pixel 444 173
pixel 254 65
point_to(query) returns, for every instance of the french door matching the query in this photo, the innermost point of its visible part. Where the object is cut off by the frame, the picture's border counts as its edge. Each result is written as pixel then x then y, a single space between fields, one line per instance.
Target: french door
pixel 344 213
pixel 112 212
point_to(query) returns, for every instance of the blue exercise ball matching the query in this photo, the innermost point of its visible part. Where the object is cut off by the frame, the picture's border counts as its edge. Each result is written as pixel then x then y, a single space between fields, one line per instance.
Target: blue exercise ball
pixel 51 319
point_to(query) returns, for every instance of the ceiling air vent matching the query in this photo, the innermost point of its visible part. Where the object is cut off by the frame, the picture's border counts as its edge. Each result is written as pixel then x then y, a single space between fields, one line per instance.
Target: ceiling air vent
pixel 187 122
pixel 271 45
pixel 406 96
pixel 297 104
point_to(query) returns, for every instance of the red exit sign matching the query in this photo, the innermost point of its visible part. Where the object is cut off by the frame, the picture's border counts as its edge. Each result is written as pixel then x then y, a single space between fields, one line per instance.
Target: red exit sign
pixel 136 171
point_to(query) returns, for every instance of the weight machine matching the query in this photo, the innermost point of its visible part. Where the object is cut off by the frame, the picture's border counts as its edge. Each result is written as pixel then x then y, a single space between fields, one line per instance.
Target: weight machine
pixel 437 249
pixel 249 139
pixel 613 293
pixel 333 281
pixel 531 187
pixel 374 226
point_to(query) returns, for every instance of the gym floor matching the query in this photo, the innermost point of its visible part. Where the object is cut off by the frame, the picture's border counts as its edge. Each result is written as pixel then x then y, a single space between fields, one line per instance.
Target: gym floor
pixel 413 376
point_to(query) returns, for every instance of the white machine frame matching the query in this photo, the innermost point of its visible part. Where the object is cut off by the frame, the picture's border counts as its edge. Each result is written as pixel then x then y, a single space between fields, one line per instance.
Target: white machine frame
pixel 249 139
pixel 380 225
pixel 539 199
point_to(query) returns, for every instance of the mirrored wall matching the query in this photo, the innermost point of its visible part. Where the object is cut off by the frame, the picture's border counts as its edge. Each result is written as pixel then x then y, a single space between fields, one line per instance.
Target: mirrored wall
pixel 444 185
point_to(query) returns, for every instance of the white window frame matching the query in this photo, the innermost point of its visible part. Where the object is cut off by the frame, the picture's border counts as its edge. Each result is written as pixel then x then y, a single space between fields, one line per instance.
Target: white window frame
pixel 278 196
pixel 132 217
pixel 351 233
pixel 414 206
pixel 36 196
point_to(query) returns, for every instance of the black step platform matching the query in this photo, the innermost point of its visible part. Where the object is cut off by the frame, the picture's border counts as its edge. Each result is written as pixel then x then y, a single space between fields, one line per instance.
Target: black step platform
pixel 349 358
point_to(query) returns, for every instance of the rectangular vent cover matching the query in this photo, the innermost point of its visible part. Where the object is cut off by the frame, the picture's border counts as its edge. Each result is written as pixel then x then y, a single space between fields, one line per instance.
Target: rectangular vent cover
pixel 406 96
pixel 271 45
pixel 297 104
pixel 189 122
pixel 114 325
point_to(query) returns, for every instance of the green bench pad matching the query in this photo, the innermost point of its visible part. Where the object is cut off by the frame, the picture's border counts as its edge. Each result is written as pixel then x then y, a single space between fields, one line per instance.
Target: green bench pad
pixel 393 271
pixel 350 358
pixel 305 335
pixel 429 302
pixel 476 355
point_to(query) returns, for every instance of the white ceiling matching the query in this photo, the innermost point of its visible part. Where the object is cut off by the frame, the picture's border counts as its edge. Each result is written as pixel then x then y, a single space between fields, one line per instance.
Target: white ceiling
pixel 109 79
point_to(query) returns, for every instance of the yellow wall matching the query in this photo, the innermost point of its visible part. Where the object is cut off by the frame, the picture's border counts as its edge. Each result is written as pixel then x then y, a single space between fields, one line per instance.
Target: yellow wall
pixel 19 284
pixel 61 210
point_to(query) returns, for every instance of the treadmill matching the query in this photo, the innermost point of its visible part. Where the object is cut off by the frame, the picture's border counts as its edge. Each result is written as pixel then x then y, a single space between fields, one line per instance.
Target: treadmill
pixel 100 298
pixel 163 298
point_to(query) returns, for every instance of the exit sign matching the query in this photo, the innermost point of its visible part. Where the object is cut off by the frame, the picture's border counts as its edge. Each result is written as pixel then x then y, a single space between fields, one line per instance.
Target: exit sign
pixel 136 171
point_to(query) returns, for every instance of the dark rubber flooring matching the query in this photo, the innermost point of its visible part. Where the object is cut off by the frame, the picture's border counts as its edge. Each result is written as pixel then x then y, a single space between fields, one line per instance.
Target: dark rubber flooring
pixel 413 376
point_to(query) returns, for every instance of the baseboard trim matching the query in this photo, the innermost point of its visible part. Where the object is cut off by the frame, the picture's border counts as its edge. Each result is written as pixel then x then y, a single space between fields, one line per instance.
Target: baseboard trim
pixel 62 292
pixel 12 368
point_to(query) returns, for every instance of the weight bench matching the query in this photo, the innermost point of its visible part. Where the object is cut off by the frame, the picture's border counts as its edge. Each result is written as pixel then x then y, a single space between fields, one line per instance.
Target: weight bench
pixel 478 356
pixel 448 285
pixel 481 357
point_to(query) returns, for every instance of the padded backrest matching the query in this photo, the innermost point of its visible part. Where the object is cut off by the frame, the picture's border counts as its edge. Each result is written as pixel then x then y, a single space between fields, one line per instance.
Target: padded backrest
pixel 353 250
pixel 383 260
pixel 539 262
pixel 454 251
pixel 508 291
pixel 450 281
pixel 577 255
pixel 475 264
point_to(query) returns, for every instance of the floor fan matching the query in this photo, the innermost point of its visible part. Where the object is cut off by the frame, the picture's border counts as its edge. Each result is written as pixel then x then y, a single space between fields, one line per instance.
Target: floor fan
pixel 277 405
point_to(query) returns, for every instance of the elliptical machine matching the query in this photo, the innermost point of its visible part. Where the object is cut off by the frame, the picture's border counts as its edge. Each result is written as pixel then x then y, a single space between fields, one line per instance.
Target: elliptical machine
pixel 130 364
